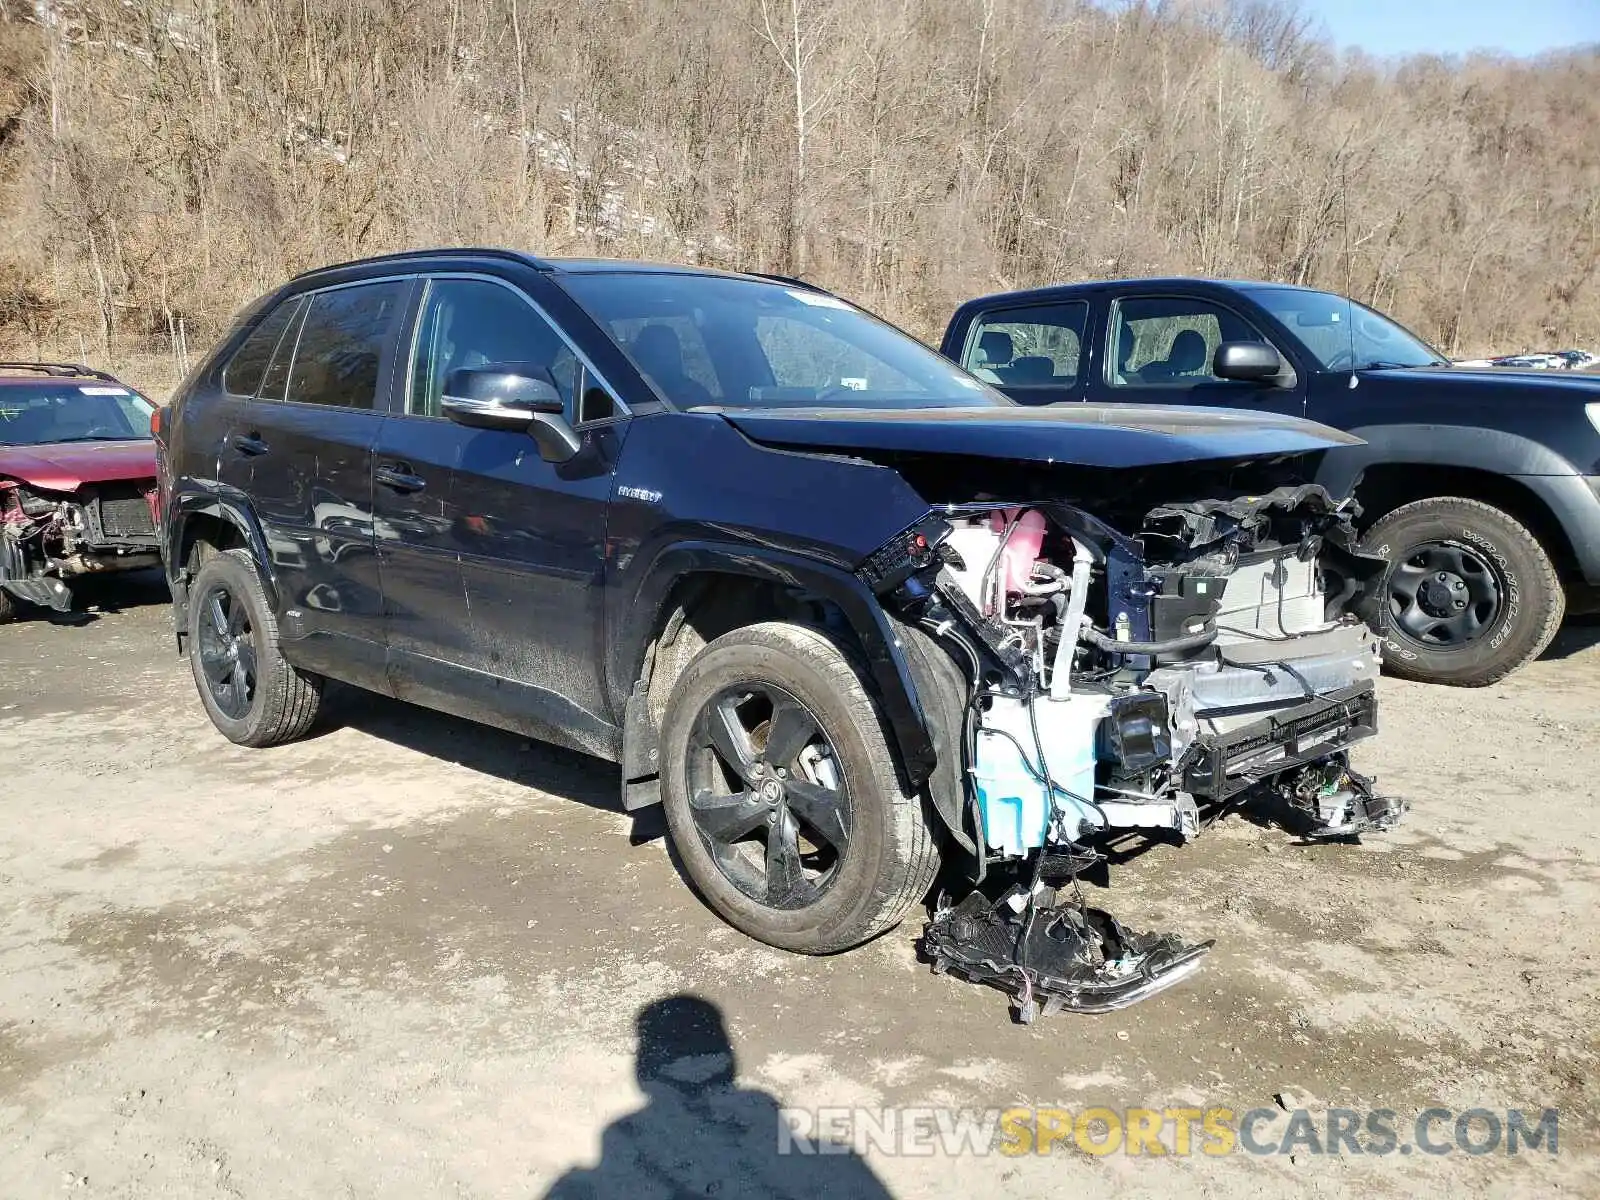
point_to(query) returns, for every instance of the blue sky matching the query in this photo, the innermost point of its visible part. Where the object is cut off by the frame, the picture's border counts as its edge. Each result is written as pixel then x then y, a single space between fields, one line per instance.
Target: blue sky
pixel 1387 27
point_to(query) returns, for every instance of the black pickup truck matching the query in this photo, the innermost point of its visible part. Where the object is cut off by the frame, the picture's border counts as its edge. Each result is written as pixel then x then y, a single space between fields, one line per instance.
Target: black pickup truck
pixel 1481 487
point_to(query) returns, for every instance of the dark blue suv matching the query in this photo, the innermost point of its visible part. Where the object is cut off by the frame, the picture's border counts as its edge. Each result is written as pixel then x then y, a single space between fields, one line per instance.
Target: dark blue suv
pixel 841 606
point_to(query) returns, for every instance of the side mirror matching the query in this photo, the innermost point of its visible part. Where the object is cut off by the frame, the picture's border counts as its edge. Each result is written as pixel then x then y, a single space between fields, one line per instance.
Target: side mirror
pixel 513 398
pixel 1250 362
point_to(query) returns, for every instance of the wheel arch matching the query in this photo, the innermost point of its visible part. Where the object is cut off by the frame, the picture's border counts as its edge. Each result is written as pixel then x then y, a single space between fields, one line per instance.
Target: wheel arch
pixel 1401 464
pixel 222 522
pixel 711 589
pixel 1389 486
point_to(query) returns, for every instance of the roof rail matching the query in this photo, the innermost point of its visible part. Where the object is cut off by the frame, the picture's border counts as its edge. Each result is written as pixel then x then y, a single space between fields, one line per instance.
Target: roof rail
pixel 431 252
pixel 60 370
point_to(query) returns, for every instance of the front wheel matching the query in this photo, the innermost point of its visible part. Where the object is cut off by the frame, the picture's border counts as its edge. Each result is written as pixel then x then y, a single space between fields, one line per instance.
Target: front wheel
pixel 782 795
pixel 1470 595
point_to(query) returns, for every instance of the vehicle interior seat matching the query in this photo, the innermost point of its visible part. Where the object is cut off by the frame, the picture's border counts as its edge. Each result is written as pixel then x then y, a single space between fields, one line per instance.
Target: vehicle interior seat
pixel 1185 359
pixel 1032 370
pixel 1127 343
pixel 995 350
pixel 659 354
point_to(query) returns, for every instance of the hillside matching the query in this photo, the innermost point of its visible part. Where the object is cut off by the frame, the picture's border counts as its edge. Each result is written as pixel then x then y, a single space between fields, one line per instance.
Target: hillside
pixel 160 163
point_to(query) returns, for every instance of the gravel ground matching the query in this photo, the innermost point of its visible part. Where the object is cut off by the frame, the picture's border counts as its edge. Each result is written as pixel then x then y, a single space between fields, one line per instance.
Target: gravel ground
pixel 409 957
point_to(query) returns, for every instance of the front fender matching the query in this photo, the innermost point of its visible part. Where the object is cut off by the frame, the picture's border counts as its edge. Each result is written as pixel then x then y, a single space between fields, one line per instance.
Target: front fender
pixel 887 667
pixel 1489 450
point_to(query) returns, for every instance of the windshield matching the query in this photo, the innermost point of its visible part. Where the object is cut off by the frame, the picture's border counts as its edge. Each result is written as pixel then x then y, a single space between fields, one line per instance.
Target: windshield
pixel 55 410
pixel 709 340
pixel 1344 335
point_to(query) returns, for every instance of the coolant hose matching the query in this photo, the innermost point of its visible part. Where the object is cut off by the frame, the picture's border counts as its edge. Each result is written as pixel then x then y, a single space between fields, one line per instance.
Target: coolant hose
pixel 1189 641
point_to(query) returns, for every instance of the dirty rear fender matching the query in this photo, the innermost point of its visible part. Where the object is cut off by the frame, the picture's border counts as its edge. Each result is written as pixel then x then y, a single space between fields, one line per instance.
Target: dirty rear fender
pixel 191 499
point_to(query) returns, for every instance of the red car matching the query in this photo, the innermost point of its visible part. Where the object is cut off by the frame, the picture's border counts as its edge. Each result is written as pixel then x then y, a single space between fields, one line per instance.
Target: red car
pixel 77 481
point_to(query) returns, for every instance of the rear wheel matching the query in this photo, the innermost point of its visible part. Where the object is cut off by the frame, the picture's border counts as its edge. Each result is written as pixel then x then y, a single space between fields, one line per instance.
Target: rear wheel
pixel 252 694
pixel 1470 596
pixel 782 796
pixel 8 607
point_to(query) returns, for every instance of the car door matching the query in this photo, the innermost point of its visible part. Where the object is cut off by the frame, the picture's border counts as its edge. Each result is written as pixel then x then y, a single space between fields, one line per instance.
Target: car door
pixel 491 558
pixel 220 416
pixel 1036 353
pixel 1159 349
pixel 309 435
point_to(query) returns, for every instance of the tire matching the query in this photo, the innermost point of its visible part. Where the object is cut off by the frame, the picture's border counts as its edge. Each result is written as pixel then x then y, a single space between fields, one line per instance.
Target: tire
pixel 889 857
pixel 1500 556
pixel 8 607
pixel 276 702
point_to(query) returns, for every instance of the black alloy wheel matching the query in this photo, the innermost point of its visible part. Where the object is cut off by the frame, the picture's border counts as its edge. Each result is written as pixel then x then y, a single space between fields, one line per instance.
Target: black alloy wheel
pixel 767 796
pixel 1444 595
pixel 227 651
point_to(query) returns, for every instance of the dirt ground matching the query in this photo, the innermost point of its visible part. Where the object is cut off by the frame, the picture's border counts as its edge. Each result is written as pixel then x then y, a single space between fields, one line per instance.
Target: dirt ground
pixel 408 957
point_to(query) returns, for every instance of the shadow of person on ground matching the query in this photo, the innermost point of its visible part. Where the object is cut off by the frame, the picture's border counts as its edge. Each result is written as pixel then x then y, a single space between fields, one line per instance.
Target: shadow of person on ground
pixel 699 1133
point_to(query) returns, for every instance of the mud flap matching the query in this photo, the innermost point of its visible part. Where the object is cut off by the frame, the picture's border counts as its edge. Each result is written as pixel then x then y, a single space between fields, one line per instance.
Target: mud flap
pixel 1053 953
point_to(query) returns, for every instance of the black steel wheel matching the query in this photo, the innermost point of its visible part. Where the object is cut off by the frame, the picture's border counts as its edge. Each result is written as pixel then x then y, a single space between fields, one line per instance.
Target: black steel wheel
pixel 766 795
pixel 1470 596
pixel 252 694
pixel 1443 595
pixel 786 807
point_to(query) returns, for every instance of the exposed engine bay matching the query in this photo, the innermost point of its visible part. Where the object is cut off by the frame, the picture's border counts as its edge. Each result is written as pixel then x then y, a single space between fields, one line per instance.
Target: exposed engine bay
pixel 1113 684
pixel 47 539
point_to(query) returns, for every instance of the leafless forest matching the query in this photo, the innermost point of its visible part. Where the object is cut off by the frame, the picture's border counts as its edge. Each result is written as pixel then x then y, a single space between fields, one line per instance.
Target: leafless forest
pixel 161 162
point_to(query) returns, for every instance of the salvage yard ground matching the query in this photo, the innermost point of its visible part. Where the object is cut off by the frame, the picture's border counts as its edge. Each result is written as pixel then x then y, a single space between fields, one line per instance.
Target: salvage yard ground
pixel 406 958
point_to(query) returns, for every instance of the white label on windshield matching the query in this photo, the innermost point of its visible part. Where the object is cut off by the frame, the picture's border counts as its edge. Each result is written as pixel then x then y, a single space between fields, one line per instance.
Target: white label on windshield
pixel 854 382
pixel 103 391
pixel 817 299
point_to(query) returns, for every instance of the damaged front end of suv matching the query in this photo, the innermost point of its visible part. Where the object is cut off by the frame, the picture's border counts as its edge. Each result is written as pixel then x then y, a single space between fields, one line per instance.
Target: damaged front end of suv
pixel 1115 652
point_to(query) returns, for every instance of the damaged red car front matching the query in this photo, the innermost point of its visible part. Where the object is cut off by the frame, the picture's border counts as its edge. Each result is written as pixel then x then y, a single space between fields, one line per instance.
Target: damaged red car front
pixel 77 481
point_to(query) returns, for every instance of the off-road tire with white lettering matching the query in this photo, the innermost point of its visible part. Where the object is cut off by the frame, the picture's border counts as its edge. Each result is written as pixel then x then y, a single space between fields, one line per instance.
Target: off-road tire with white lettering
pixel 1532 599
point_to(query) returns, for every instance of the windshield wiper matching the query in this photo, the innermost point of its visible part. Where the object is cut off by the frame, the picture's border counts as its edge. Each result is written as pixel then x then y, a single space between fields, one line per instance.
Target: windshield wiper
pixel 105 437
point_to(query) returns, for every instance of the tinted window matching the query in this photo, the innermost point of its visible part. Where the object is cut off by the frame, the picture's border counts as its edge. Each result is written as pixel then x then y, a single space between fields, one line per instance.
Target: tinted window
pixel 713 339
pixel 242 376
pixel 276 379
pixel 339 357
pixel 1166 341
pixel 1037 346
pixel 36 414
pixel 469 323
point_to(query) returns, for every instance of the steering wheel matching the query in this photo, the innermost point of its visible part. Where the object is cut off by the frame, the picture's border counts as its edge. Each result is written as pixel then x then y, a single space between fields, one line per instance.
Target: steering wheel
pixel 1345 360
pixel 101 431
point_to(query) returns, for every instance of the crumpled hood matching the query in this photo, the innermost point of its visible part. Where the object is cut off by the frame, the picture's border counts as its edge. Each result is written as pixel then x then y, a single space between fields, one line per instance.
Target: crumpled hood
pixel 67 466
pixel 1085 435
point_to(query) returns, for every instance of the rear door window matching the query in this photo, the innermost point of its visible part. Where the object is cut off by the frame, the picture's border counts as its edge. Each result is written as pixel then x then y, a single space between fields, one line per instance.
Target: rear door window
pixel 246 369
pixel 343 345
pixel 1039 345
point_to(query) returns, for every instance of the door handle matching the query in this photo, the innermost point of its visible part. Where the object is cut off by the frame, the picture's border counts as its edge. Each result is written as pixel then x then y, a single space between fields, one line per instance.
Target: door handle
pixel 399 477
pixel 248 443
